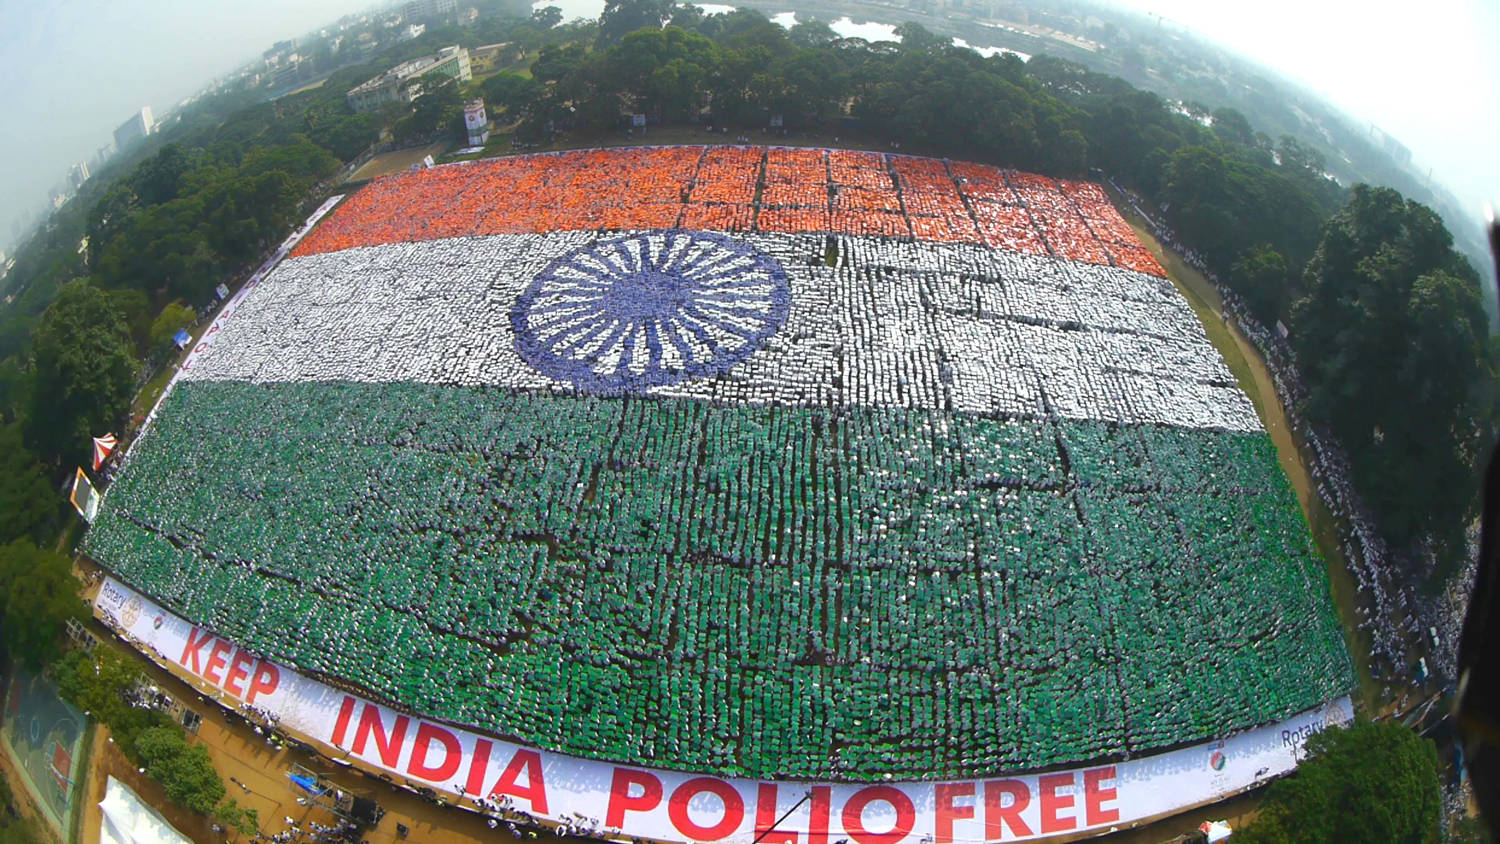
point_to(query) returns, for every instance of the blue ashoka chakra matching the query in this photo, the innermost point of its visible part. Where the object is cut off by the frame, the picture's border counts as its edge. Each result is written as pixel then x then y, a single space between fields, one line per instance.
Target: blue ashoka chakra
pixel 647 310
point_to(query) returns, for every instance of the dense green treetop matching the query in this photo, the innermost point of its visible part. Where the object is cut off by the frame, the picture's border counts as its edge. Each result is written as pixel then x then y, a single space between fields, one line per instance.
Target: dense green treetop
pixel 40 594
pixel 1392 340
pixel 1369 782
pixel 85 370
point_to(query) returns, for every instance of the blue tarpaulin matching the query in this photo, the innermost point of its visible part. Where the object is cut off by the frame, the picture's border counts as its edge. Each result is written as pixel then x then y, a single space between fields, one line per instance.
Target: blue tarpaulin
pixel 182 338
pixel 306 783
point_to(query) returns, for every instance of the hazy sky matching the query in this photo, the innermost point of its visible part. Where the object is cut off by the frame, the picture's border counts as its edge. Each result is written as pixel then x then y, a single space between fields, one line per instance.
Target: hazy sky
pixel 79 68
pixel 1426 73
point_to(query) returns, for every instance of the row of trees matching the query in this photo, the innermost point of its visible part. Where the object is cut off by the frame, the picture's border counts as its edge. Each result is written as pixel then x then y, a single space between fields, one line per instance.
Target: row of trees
pixel 1385 314
pixel 108 686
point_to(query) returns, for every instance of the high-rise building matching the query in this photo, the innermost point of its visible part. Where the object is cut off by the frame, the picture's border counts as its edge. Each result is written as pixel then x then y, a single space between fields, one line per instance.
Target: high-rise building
pixel 78 174
pixel 137 127
pixel 421 10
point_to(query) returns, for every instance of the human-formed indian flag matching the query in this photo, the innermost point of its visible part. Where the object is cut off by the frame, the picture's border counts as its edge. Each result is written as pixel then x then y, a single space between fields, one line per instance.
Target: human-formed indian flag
pixel 573 423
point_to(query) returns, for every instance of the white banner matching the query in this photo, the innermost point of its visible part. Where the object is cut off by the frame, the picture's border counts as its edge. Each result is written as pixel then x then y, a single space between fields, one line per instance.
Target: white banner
pixel 635 802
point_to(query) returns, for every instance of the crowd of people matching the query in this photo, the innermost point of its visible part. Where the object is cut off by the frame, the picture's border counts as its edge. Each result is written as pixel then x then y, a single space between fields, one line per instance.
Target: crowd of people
pixel 1012 504
pixel 775 189
pixel 1397 618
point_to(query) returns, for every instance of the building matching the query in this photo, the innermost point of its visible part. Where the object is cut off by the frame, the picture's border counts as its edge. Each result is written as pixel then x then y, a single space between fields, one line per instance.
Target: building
pixel 476 122
pixel 402 83
pixel 423 10
pixel 413 30
pixel 78 174
pixel 492 57
pixel 468 16
pixel 136 128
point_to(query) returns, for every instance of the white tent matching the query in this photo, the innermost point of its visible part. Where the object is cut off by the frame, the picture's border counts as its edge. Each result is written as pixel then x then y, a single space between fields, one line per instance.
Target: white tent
pixel 128 820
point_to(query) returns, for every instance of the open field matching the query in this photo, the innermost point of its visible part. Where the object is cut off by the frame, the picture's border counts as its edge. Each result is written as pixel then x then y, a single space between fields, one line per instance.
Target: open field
pixel 397 162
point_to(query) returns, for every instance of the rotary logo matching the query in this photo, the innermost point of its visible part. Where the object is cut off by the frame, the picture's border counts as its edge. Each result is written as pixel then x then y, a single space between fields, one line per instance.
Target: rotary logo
pixel 1217 760
pixel 131 612
pixel 1338 714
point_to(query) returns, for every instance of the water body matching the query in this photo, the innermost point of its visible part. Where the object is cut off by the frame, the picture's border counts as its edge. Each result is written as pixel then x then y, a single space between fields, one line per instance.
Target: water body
pixel 844 26
pixel 573 9
pixel 991 51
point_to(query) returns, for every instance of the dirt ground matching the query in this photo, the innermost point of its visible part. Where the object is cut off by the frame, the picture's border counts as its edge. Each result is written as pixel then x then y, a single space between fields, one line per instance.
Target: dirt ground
pixel 396 162
pixel 239 753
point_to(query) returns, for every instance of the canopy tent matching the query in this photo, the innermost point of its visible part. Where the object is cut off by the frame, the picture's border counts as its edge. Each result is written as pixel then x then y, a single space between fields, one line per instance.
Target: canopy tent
pixel 103 447
pixel 128 820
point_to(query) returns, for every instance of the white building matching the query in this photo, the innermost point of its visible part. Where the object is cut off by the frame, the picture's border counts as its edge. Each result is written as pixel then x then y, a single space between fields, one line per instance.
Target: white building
pixel 137 127
pixel 78 174
pixel 422 10
pixel 402 83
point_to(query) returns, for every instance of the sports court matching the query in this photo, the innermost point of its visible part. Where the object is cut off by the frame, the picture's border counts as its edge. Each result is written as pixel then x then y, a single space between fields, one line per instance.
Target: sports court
pixel 43 735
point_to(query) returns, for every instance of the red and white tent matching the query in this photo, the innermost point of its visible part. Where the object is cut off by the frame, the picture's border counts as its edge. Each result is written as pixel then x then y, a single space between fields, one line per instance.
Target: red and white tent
pixel 103 447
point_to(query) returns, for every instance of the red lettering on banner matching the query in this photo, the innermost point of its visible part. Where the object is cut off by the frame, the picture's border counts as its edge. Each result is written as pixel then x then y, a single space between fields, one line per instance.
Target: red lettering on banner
pixel 948 812
pixel 388 745
pixel 766 817
pixel 474 785
pixel 194 649
pixel 341 725
pixel 452 754
pixel 818 813
pixel 733 811
pixel 535 789
pixel 1052 802
pixel 239 669
pixel 1095 795
pixel 854 811
pixel 267 678
pixel 199 348
pixel 216 661
pixel 997 815
pixel 620 800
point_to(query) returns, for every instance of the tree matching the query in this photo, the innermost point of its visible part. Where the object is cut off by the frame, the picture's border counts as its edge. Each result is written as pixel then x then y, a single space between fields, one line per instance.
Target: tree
pixel 622 17
pixel 29 506
pixel 812 33
pixel 547 17
pixel 1260 275
pixel 104 683
pixel 40 595
pixel 174 317
pixel 511 91
pixel 244 820
pixel 1376 781
pixel 918 38
pixel 1392 341
pixel 84 373
pixel 184 770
